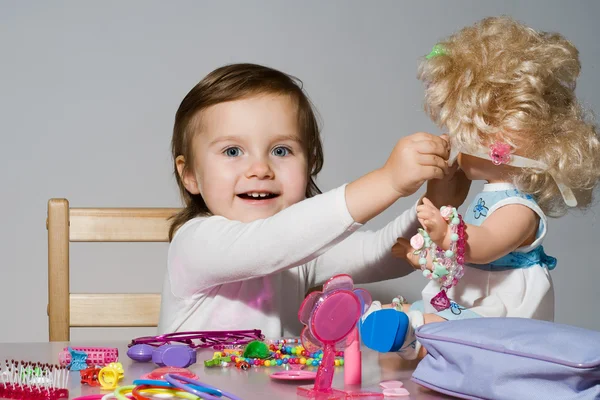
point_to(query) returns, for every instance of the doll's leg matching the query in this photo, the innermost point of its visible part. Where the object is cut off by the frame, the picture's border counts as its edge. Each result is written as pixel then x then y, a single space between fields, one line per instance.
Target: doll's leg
pixel 386 329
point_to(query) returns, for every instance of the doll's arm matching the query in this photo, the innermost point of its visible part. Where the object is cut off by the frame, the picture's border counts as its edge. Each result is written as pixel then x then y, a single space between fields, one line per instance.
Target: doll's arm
pixel 432 220
pixel 505 230
pixel 502 232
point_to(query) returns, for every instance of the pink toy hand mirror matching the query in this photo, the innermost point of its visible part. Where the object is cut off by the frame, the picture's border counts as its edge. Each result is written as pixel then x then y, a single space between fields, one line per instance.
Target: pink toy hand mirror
pixel 329 317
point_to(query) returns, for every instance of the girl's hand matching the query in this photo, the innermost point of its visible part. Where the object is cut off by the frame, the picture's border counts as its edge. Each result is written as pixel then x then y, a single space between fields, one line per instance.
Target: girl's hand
pixel 452 189
pixel 415 159
pixel 402 249
pixel 432 221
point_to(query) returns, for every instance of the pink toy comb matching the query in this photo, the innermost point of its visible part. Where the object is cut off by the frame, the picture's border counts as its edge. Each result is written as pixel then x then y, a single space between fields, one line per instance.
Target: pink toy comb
pixel 100 356
pixel 33 381
pixel 329 319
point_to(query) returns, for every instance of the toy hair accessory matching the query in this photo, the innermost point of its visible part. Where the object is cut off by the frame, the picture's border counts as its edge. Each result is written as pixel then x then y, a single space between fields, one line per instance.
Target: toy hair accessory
pixel 89 376
pixel 437 50
pixel 162 383
pixel 183 383
pixel 110 375
pixel 172 392
pixel 85 356
pixel 498 154
pixel 159 373
pixel 129 389
pixel 218 340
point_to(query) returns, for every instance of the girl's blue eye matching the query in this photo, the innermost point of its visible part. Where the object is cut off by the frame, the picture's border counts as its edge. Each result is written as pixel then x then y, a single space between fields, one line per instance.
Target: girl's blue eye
pixel 281 151
pixel 233 152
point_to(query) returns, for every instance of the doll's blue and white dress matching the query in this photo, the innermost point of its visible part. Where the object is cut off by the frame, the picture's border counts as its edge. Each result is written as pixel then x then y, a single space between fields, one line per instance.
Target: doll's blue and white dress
pixel 516 285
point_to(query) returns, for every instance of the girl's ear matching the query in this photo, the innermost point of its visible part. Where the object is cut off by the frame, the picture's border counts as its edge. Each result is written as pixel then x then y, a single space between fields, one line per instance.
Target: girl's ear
pixel 186 175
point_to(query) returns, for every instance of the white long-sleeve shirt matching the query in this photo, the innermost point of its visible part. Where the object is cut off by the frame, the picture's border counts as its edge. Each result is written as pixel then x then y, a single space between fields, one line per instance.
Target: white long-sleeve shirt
pixel 228 275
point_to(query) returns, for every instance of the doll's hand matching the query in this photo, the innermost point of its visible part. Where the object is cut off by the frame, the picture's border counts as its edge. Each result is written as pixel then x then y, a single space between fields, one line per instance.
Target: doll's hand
pixel 450 190
pixel 415 159
pixel 432 221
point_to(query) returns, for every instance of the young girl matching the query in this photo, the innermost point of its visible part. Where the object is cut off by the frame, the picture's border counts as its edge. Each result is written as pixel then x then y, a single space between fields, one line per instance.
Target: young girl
pixel 256 233
pixel 506 93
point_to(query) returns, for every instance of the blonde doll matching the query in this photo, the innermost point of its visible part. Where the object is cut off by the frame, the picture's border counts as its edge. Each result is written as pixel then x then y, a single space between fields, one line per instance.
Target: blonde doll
pixel 506 95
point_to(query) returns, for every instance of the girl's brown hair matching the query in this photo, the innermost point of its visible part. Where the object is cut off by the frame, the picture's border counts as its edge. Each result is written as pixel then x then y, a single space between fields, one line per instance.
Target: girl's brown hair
pixel 229 83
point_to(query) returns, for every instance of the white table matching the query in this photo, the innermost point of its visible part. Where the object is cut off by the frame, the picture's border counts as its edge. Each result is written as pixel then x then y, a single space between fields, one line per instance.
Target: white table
pixel 254 384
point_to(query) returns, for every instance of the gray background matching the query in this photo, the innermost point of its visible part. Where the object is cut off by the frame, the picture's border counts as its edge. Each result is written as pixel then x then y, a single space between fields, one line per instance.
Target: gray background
pixel 89 89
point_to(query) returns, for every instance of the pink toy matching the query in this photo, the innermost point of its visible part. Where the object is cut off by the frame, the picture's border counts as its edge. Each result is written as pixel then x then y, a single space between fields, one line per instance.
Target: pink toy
pixel 391 384
pixel 394 389
pixel 100 356
pixel 329 317
pixel 353 360
pixel 159 373
pixel 294 375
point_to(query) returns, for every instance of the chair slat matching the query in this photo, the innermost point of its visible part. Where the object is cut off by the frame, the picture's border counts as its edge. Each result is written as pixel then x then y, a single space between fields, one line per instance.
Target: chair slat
pixel 120 225
pixel 57 224
pixel 111 310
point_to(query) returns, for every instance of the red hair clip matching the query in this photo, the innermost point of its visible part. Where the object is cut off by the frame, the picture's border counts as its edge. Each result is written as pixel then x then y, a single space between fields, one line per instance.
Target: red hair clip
pixel 500 153
pixel 89 376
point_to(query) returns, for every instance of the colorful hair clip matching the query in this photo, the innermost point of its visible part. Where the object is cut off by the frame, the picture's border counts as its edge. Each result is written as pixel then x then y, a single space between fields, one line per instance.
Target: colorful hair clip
pixel 438 50
pixel 500 153
pixel 78 358
pixel 109 376
pixel 89 376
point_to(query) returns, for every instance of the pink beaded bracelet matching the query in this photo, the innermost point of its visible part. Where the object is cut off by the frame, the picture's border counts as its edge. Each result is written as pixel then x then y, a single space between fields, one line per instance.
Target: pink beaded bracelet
pixel 448 265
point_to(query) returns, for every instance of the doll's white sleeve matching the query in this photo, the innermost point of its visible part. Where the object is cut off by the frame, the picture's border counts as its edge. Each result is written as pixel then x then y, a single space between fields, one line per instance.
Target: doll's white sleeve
pixel 211 251
pixel 367 255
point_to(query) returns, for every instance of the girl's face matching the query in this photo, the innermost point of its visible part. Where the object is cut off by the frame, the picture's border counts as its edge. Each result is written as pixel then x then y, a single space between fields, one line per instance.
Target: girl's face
pixel 249 162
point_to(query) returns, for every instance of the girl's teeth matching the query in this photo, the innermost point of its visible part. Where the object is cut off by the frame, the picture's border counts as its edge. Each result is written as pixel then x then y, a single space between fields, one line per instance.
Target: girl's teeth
pixel 258 194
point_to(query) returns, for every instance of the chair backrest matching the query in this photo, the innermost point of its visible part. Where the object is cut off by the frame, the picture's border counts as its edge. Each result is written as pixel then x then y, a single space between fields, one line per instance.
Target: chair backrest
pixel 66 225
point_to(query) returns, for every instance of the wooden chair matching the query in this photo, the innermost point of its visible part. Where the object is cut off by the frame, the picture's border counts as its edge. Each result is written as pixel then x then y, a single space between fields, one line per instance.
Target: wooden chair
pixel 65 225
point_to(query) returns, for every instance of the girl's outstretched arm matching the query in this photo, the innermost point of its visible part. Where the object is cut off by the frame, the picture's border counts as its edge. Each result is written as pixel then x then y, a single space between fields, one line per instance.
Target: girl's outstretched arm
pixel 366 255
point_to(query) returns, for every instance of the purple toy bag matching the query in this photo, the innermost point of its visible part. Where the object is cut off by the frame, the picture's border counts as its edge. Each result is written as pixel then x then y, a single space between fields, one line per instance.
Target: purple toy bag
pixel 510 358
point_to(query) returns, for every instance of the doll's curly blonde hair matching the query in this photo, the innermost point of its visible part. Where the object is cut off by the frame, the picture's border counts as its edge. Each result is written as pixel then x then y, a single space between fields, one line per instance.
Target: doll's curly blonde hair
pixel 502 80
